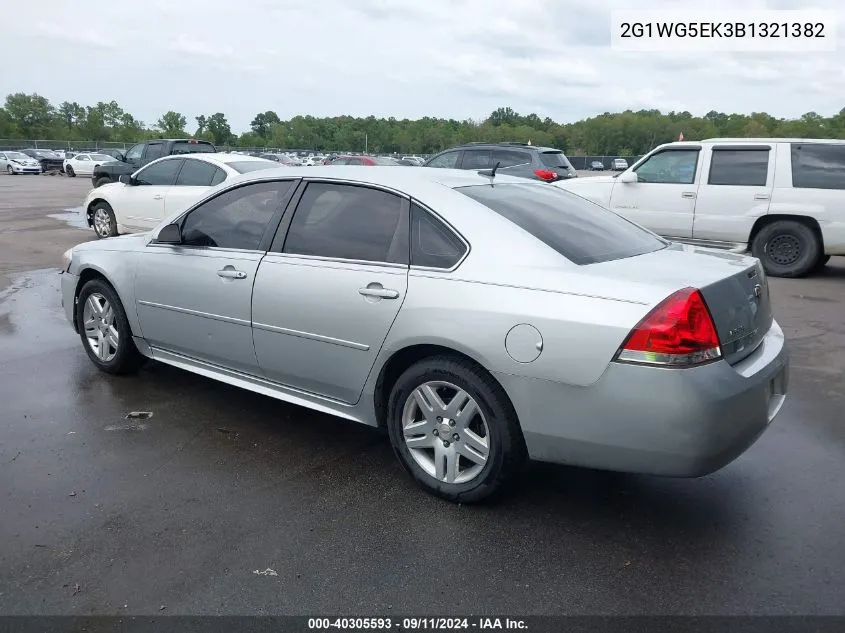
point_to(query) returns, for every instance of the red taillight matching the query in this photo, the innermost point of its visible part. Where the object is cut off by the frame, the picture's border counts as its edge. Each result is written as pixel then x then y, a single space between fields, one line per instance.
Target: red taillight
pixel 545 174
pixel 678 332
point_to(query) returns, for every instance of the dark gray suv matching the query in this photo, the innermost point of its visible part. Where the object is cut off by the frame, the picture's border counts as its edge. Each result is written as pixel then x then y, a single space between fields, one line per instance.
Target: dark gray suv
pixel 515 159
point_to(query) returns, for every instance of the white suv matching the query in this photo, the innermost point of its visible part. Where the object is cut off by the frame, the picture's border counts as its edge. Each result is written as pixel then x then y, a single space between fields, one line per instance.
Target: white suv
pixel 784 199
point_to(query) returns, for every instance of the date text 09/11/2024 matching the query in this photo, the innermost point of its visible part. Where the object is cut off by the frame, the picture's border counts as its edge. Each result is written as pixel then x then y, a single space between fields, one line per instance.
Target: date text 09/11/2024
pixel 416 624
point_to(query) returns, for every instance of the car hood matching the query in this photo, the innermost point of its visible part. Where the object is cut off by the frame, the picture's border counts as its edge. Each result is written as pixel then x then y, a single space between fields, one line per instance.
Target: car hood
pixel 130 242
pixel 117 167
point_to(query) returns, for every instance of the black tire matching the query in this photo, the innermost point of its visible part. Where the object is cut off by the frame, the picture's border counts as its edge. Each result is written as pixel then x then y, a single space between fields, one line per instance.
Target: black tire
pixel 127 358
pixel 787 248
pixel 9 170
pixel 105 207
pixel 102 180
pixel 823 260
pixel 69 171
pixel 507 452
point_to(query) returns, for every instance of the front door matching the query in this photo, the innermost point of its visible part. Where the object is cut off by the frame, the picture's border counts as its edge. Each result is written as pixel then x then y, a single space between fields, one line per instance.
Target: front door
pixel 194 298
pixel 140 206
pixel 325 299
pixel 663 198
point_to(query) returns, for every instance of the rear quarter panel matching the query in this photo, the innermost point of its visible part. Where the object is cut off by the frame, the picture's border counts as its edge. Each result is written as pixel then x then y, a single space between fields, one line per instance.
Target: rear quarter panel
pixel 825 206
pixel 580 334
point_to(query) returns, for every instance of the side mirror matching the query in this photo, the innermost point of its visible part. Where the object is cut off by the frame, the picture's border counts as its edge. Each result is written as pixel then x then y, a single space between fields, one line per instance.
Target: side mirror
pixel 628 177
pixel 126 179
pixel 170 234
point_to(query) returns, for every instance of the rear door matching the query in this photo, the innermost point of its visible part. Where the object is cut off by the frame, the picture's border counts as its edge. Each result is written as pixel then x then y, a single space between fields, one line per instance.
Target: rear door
pixel 737 191
pixel 329 290
pixel 194 180
pixel 663 198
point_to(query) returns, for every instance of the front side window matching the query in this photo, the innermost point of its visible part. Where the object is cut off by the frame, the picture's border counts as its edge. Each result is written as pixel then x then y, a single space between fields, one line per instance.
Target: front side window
pixel 739 167
pixel 433 244
pixel 160 174
pixel 580 230
pixel 449 160
pixel 670 167
pixel 237 218
pixel 196 173
pixel 818 166
pixel 82 157
pixel 134 153
pixel 349 222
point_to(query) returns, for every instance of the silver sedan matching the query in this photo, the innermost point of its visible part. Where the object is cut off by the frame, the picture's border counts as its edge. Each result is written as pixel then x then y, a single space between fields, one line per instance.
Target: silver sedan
pixel 480 318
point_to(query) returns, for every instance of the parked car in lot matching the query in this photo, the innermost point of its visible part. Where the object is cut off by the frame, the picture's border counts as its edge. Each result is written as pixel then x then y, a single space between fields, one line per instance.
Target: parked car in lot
pixel 782 199
pixel 618 164
pixel 282 159
pixel 388 297
pixel 139 201
pixel 14 163
pixel 142 153
pixel 514 159
pixel 49 160
pixel 596 165
pixel 367 161
pixel 84 164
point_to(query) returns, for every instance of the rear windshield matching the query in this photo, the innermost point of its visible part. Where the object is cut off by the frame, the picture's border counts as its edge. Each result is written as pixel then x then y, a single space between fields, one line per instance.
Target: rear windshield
pixel 554 159
pixel 245 166
pixel 580 230
pixel 181 147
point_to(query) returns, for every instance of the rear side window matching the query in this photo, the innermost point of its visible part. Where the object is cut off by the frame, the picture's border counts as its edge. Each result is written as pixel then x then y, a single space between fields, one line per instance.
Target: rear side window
pixel 510 157
pixel 554 159
pixel 580 230
pixel 219 176
pixel 433 244
pixel 477 159
pixel 739 167
pixel 818 166
pixel 196 173
pixel 184 147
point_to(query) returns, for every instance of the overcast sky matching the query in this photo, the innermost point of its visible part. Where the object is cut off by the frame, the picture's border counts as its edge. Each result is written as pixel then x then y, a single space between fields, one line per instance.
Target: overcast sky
pixel 401 58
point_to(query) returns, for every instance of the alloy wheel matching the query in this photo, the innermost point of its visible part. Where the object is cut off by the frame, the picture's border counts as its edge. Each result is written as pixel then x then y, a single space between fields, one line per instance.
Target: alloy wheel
pixel 102 222
pixel 446 432
pixel 98 320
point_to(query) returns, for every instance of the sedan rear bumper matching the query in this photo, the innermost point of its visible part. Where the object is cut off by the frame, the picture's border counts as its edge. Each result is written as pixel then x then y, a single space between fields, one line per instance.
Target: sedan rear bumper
pixel 673 422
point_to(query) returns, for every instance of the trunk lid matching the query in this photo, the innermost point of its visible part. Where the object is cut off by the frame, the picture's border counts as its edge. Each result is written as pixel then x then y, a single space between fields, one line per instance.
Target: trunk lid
pixel 734 287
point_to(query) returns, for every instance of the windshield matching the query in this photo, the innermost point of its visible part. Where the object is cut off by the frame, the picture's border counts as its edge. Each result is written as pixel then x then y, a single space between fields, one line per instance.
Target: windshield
pixel 245 166
pixel 580 230
pixel 16 156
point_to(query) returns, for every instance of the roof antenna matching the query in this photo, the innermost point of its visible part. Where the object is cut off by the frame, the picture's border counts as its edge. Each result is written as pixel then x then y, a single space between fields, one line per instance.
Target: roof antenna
pixel 490 172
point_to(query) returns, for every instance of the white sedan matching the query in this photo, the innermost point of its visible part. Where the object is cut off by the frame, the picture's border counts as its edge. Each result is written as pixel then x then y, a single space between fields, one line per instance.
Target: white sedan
pixel 84 164
pixel 138 202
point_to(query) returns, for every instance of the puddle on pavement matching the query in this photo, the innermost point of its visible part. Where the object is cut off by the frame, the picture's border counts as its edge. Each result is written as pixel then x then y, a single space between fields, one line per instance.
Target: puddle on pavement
pixel 131 425
pixel 74 218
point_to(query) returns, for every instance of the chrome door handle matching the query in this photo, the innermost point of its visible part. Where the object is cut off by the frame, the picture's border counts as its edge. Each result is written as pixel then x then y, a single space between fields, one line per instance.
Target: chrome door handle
pixel 231 273
pixel 688 194
pixel 383 293
pixel 761 196
pixel 158 197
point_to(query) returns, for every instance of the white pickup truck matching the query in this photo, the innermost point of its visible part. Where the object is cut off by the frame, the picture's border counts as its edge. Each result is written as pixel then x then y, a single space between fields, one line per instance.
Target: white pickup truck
pixel 783 199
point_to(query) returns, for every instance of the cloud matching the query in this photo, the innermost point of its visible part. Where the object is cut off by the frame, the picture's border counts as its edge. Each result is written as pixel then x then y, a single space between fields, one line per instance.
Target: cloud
pixel 449 58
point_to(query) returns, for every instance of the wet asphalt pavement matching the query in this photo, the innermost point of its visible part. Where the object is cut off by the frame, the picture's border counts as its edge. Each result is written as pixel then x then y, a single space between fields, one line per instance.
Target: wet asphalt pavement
pixel 100 514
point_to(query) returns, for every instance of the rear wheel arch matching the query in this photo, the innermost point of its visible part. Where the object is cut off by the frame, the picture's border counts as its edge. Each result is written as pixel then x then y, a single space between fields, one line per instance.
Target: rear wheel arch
pixel 806 220
pixel 404 358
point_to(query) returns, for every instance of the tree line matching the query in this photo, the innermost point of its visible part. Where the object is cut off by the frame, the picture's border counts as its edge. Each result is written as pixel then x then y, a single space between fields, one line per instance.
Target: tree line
pixel 628 133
